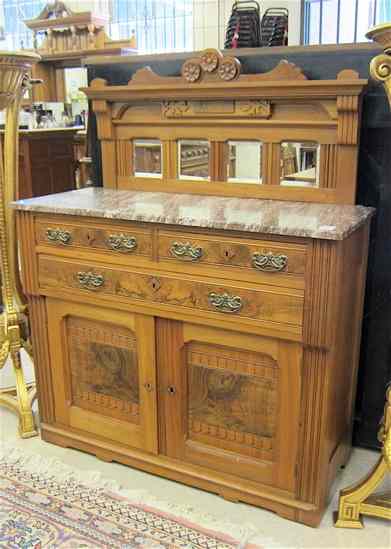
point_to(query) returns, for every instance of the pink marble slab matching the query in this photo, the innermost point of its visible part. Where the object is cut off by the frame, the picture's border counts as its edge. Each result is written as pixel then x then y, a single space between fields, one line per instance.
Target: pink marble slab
pixel 305 219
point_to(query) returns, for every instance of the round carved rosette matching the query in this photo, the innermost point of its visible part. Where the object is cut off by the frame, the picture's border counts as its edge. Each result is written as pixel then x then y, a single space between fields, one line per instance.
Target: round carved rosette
pixel 210 60
pixel 191 71
pixel 229 69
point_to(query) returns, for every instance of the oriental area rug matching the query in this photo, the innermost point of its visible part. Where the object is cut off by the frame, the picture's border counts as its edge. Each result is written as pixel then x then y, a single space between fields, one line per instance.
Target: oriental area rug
pixel 46 504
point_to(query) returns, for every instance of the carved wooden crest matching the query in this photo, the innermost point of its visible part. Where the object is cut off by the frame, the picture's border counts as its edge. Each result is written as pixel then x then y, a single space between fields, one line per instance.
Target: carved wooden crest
pixel 214 67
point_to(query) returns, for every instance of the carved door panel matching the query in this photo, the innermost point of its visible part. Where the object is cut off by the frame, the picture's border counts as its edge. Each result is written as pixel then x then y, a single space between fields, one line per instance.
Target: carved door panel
pixel 230 401
pixel 104 378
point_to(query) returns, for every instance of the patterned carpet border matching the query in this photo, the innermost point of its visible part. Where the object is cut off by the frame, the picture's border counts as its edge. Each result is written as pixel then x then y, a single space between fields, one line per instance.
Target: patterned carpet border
pixel 47 504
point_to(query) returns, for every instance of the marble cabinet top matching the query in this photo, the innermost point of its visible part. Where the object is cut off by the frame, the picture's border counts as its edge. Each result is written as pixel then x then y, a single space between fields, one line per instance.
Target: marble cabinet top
pixel 305 219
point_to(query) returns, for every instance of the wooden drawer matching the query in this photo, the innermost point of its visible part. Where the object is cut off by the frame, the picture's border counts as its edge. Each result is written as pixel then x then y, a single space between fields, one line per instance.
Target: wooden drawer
pixel 257 261
pixel 262 304
pixel 114 239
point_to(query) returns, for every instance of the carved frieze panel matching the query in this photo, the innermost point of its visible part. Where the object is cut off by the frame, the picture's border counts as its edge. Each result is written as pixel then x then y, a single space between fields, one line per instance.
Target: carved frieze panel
pixel 255 108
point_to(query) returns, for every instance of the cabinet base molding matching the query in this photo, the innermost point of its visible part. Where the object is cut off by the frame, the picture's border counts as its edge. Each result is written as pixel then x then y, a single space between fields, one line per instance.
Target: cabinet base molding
pixel 233 490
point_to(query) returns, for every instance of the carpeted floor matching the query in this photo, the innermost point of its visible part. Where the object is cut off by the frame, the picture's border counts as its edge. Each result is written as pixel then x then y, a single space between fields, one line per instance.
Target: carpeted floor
pixel 46 504
pixel 197 506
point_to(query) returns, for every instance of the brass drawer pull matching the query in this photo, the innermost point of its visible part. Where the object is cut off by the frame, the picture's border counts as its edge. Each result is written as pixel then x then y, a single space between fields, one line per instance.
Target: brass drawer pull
pixel 269 262
pixel 225 303
pixel 90 281
pixel 185 251
pixel 59 236
pixel 122 243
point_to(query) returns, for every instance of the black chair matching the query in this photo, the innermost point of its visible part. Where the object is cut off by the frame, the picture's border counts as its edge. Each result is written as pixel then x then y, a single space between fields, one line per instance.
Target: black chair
pixel 243 29
pixel 274 27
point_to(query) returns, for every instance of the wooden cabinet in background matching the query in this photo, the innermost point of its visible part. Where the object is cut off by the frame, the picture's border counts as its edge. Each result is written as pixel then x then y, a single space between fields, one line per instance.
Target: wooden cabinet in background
pixel 46 162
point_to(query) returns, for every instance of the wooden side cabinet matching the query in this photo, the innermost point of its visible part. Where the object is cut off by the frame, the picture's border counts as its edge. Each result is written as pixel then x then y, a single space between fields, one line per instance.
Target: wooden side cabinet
pixel 226 360
pixel 46 161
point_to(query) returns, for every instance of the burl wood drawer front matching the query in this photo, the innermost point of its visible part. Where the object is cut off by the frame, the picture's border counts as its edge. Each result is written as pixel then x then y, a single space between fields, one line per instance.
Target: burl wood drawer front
pixel 258 261
pixel 114 239
pixel 284 307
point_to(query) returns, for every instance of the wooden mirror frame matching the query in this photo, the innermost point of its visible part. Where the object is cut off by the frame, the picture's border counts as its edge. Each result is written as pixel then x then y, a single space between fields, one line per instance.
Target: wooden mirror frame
pixel 212 101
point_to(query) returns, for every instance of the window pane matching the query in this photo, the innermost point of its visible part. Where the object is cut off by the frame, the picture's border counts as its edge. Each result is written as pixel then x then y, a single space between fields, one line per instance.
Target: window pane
pixel 329 21
pixel 348 26
pixel 244 161
pixel 383 11
pixel 147 157
pixel 313 22
pixel 193 159
pixel 346 21
pixel 300 164
pixel 159 26
pixel 364 18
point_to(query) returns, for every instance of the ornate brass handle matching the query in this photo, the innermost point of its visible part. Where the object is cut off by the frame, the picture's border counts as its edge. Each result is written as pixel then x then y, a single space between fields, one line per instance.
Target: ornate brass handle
pixel 59 236
pixel 122 243
pixel 185 251
pixel 225 303
pixel 89 280
pixel 269 262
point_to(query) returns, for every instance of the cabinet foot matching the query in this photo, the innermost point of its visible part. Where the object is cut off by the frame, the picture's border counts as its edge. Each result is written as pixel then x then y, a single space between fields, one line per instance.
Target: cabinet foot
pixel 103 457
pixel 229 496
pixel 311 518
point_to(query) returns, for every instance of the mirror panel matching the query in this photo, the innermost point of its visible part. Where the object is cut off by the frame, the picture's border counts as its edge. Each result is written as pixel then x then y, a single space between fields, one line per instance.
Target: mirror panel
pixel 193 159
pixel 147 157
pixel 244 162
pixel 300 164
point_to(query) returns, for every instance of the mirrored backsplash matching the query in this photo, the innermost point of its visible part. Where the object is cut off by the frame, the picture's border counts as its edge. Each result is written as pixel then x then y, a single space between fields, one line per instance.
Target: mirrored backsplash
pixel 244 162
pixel 240 161
pixel 193 159
pixel 147 158
pixel 299 164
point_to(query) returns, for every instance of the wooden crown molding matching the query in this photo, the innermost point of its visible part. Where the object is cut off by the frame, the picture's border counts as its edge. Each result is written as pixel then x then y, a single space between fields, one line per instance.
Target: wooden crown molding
pixel 213 75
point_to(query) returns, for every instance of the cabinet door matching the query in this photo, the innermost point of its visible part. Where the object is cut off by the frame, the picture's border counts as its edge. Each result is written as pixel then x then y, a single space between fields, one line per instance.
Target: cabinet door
pixel 230 401
pixel 103 364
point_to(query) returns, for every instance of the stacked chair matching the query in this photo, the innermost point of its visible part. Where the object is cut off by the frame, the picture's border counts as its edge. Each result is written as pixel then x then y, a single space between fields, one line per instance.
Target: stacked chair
pixel 245 29
pixel 274 27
